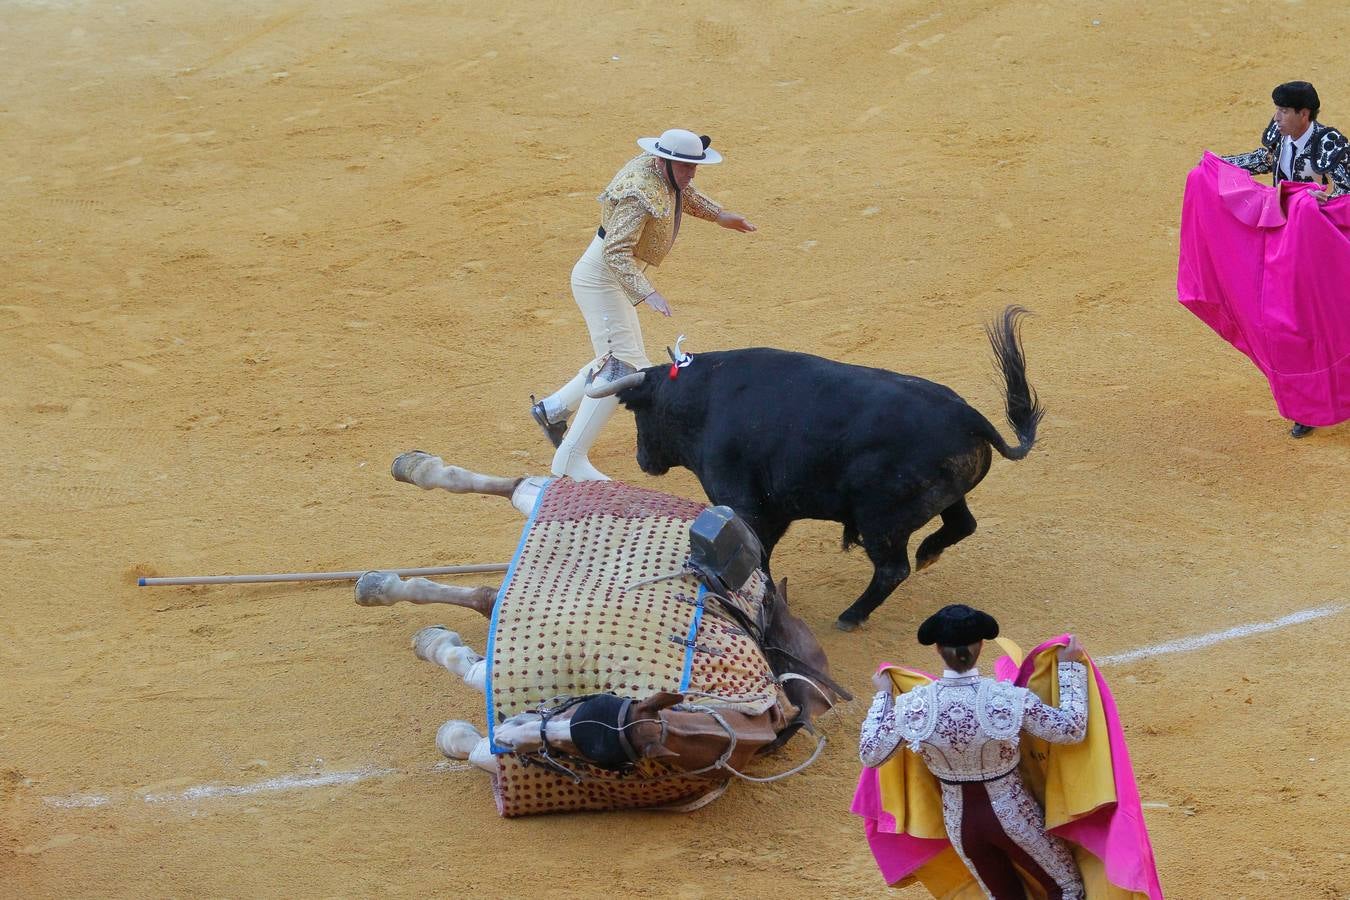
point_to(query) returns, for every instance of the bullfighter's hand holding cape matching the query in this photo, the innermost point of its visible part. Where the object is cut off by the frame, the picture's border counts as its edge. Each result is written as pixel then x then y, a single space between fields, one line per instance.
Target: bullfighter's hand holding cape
pixel 1087 790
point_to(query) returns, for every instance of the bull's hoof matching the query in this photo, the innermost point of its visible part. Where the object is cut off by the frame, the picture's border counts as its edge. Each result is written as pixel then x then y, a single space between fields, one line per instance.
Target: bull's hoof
pixel 922 564
pixel 847 624
pixel 374 589
pixel 425 640
pixel 406 463
pixel 457 738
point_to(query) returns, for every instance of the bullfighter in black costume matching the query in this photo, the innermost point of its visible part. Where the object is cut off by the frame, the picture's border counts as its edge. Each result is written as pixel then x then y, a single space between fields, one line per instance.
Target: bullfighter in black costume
pixel 1297 147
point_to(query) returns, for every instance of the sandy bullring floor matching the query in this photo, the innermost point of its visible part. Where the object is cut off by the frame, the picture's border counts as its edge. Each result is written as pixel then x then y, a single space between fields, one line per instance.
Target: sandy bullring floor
pixel 254 250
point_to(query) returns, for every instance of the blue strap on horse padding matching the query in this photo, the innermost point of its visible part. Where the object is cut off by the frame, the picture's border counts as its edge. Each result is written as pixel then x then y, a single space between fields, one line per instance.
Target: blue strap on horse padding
pixel 496 608
pixel 689 639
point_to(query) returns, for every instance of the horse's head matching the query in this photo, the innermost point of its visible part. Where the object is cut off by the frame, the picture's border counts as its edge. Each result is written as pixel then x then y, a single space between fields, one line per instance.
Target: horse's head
pixel 792 648
pixel 599 729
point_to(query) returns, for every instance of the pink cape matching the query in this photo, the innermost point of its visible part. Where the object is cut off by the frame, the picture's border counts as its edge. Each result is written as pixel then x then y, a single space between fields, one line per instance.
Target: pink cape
pixel 1269 270
pixel 1116 833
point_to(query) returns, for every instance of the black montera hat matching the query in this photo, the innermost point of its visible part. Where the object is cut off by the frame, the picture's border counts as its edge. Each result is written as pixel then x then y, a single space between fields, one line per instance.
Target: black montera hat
pixel 956 626
pixel 1297 95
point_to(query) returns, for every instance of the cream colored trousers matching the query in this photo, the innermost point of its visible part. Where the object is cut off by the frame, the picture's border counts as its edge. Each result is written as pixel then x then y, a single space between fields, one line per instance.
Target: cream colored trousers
pixel 613 324
pixel 611 319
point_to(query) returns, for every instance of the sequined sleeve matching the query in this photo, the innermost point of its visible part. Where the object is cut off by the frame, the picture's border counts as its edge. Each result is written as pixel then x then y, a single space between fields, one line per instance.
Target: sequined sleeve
pixel 1331 157
pixel 1258 162
pixel 880 732
pixel 1340 178
pixel 1067 723
pixel 622 229
pixel 1261 160
pixel 700 206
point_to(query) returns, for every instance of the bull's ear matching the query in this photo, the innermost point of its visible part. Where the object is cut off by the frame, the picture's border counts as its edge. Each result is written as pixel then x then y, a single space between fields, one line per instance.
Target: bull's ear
pixel 782 590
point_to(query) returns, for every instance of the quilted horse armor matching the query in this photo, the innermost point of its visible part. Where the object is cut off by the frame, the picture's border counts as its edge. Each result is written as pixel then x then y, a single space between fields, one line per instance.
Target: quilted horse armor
pixel 585 610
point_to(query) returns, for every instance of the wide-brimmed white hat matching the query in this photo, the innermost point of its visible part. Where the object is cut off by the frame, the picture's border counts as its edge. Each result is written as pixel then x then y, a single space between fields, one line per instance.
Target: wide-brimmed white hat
pixel 681 146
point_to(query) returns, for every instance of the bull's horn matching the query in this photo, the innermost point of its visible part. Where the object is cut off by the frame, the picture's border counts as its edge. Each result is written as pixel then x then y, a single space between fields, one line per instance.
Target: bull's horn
pixel 610 388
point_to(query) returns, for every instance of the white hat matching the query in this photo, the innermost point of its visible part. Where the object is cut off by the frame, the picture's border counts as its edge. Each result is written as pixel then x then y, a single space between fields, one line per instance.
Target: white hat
pixel 681 146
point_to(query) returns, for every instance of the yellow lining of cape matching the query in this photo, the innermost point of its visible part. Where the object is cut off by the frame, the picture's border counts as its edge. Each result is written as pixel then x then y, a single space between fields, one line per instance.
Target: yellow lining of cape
pixel 1069 780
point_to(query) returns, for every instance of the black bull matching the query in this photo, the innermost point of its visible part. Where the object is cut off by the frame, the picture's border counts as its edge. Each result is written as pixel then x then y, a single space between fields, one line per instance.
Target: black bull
pixel 781 436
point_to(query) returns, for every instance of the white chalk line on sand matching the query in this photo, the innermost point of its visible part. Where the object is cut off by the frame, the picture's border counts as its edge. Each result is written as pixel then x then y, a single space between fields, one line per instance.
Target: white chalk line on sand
pixel 282 783
pixel 297 782
pixel 270 785
pixel 77 801
pixel 1218 637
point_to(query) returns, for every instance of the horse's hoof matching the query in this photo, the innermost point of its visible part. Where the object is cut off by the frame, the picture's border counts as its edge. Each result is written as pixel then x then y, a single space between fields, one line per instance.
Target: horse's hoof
pixel 457 738
pixel 423 640
pixel 405 463
pixel 847 624
pixel 372 589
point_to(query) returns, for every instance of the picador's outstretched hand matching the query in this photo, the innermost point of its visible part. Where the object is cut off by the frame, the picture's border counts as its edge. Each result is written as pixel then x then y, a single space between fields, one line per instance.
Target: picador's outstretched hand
pixel 735 221
pixel 658 303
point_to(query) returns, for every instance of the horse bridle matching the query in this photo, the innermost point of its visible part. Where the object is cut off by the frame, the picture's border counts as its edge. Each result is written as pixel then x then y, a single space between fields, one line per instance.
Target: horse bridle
pixel 549 756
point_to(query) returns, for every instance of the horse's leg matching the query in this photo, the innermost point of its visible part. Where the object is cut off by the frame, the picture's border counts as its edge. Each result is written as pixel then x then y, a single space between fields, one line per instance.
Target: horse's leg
pixel 458 739
pixel 386 589
pixel 527 492
pixel 483 757
pixel 438 644
pixel 957 524
pixel 430 472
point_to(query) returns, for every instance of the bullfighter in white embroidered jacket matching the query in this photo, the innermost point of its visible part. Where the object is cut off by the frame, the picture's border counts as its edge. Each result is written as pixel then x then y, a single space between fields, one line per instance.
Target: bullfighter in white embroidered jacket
pixel 966 729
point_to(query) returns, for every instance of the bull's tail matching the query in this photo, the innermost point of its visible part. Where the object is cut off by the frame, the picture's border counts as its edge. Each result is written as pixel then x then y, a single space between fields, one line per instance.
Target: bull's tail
pixel 1023 408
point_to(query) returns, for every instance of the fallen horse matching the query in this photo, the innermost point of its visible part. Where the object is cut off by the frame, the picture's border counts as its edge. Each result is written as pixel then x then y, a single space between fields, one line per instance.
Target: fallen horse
pixel 621 670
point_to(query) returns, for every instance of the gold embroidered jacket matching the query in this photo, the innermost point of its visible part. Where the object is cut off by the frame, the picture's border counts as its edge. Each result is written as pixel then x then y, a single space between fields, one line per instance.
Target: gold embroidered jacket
pixel 640 218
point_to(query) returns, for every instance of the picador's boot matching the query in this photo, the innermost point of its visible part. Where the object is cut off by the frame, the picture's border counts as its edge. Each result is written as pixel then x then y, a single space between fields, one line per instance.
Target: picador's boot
pixel 554 431
pixel 571 459
pixel 553 411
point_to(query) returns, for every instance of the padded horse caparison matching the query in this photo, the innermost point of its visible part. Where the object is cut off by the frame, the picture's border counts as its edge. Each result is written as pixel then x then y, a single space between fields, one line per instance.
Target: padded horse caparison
pixel 584 612
pixel 598 731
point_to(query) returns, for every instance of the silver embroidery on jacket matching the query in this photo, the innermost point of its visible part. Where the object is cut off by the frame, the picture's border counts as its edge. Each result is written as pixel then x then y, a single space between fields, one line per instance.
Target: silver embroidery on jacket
pixel 968 729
